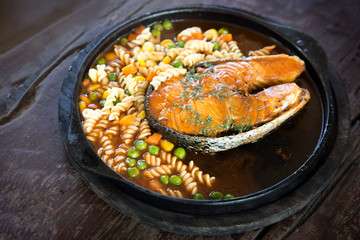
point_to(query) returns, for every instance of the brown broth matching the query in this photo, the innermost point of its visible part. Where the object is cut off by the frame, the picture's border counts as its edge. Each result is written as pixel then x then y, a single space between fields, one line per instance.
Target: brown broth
pixel 257 166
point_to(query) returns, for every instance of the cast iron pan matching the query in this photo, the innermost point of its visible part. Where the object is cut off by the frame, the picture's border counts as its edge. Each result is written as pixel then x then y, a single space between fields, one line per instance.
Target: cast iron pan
pixel 212 217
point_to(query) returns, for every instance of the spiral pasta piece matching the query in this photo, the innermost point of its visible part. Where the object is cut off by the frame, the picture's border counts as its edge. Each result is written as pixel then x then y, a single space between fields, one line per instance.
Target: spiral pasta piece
pixel 114 94
pixel 106 146
pixel 128 135
pixel 91 118
pixel 152 160
pixel 131 84
pixel 233 47
pixel 155 56
pixel 144 36
pixel 97 132
pixel 196 173
pixel 223 45
pixel 169 73
pixel 120 153
pixel 120 107
pixel 189 182
pixel 199 46
pixel 144 130
pixel 186 34
pixel 175 193
pixel 263 51
pixel 139 97
pixel 157 171
pixel 193 59
pixel 174 52
pixel 123 56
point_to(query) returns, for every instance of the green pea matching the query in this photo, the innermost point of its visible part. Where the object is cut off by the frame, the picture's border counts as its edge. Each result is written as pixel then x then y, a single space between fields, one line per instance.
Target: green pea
pixel 133 172
pixel 177 64
pixel 130 162
pixel 112 76
pixel 127 92
pixel 180 153
pixel 141 164
pixel 216 195
pixel 156 33
pixel 167 24
pixel 158 26
pixel 181 44
pixel 199 196
pixel 175 180
pixel 124 41
pixel 164 179
pixel 102 103
pixel 216 46
pixel 93 96
pixel 101 60
pixel 116 101
pixel 171 45
pixel 133 153
pixel 223 30
pixel 228 196
pixel 140 145
pixel 154 150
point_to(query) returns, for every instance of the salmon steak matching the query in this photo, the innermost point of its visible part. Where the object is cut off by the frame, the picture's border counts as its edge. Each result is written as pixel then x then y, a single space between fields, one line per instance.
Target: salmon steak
pixel 229 97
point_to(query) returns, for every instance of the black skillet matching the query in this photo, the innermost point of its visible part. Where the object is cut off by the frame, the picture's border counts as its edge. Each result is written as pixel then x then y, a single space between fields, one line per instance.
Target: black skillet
pixel 212 217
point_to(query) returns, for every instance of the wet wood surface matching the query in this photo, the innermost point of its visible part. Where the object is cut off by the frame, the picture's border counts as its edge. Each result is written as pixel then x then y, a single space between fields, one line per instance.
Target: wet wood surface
pixel 41 194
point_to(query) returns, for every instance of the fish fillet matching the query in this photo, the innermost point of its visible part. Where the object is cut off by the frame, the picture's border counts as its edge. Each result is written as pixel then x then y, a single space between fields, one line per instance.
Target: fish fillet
pixel 220 98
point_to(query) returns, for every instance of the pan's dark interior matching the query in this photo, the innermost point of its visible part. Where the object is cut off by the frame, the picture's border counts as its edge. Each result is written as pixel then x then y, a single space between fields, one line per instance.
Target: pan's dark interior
pixel 256 173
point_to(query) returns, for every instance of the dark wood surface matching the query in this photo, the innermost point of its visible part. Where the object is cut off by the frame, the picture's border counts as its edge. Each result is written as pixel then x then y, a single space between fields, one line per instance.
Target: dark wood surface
pixel 43 197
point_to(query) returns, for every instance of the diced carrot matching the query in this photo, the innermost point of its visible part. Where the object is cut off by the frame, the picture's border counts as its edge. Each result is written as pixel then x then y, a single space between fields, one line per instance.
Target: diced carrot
pixel 151 75
pixel 85 99
pixel 197 35
pixel 139 30
pixel 86 82
pixel 154 139
pixel 127 52
pixel 226 37
pixel 129 69
pixel 110 56
pixel 132 36
pixel 127 120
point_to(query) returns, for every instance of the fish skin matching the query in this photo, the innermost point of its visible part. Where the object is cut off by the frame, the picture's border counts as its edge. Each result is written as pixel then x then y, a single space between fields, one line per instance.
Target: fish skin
pixel 239 107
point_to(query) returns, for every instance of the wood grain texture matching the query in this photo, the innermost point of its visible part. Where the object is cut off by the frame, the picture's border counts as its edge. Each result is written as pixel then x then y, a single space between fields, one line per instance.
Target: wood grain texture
pixel 42 196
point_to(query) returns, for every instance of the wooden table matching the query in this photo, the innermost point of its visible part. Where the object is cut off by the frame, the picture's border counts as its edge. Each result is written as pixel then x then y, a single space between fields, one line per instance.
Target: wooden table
pixel 43 197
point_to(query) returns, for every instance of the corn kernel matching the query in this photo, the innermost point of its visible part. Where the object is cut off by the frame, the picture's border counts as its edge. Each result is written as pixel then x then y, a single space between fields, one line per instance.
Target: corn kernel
pixel 166 42
pixel 166 145
pixel 211 34
pixel 139 78
pixel 147 47
pixel 105 94
pixel 93 87
pixel 166 60
pixel 141 115
pixel 110 56
pixel 82 105
pixel 142 62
